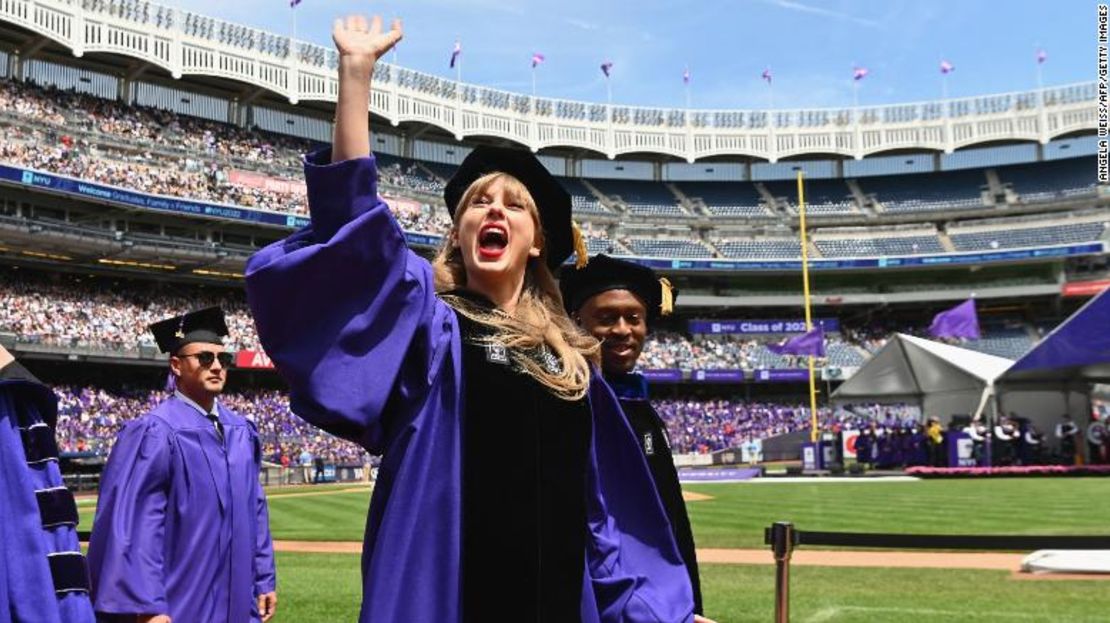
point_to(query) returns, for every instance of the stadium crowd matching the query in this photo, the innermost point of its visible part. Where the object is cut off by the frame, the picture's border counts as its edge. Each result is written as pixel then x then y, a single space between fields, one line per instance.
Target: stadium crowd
pixel 160 152
pixel 90 418
pixel 70 311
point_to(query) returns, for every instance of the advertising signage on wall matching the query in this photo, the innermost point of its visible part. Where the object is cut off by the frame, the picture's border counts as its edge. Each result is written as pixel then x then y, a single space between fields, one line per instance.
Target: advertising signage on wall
pixel 751 327
pixel 112 194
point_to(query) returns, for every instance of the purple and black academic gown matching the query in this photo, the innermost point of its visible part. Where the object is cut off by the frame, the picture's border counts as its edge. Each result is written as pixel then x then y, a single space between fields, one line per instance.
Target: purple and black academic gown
pixel 181 523
pixel 351 319
pixel 43 576
pixel 651 433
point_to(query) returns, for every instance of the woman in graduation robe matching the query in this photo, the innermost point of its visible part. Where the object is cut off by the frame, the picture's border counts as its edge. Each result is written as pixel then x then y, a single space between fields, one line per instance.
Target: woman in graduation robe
pixel 510 486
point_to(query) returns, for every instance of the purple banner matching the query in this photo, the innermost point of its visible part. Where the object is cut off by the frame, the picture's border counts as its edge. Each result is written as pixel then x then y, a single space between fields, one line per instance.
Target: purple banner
pixel 714 474
pixel 743 327
pixel 662 376
pixel 781 376
pixel 717 376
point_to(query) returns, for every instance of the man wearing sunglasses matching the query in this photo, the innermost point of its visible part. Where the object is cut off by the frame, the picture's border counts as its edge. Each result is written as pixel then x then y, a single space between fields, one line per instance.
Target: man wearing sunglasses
pixel 182 531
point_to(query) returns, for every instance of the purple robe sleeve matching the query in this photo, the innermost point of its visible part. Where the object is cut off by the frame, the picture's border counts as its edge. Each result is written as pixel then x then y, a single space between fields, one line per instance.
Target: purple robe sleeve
pixel 126 548
pixel 634 565
pixel 265 576
pixel 345 310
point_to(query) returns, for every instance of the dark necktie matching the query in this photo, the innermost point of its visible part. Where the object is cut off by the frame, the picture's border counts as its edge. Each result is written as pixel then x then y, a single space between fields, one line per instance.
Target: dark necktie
pixel 219 427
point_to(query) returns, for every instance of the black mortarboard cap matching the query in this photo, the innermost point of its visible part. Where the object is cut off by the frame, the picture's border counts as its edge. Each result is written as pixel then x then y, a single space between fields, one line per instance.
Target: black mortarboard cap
pixel 605 273
pixel 206 326
pixel 552 200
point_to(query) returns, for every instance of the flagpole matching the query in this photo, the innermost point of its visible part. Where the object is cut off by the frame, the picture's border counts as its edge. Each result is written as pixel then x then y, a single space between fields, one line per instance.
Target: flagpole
pixel 805 294
pixel 533 80
pixel 293 39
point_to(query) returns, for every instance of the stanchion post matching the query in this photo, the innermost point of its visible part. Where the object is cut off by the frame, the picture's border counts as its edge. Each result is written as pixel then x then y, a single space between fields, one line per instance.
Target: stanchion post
pixel 782 546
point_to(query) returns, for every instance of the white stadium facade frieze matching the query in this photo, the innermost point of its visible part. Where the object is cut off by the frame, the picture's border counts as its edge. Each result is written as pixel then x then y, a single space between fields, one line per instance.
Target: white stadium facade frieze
pixel 184 43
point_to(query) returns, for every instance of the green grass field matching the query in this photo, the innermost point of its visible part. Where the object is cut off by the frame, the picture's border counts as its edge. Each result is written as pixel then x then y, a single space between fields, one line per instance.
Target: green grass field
pixel 737 514
pixel 317 587
pixel 325 587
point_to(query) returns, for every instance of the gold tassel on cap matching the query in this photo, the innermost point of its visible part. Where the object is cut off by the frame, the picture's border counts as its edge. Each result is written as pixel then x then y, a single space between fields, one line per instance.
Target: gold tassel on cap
pixel 581 253
pixel 666 305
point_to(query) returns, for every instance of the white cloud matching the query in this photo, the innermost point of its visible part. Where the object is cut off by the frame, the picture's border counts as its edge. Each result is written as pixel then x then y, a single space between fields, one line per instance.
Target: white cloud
pixel 793 5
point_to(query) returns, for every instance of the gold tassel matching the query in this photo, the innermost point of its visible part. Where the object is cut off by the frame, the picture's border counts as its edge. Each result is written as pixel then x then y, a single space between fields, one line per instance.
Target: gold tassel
pixel 666 305
pixel 581 253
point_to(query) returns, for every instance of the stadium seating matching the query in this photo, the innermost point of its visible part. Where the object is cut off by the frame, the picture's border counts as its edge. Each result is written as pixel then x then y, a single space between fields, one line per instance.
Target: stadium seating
pixel 643 198
pixel 1011 238
pixel 1054 179
pixel 666 247
pixel 758 249
pixel 823 197
pixel 726 199
pixel 878 245
pixel 949 190
pixel 582 200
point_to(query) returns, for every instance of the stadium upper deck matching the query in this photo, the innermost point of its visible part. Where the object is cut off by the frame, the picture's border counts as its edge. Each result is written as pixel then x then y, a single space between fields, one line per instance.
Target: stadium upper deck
pixel 908 203
pixel 155 38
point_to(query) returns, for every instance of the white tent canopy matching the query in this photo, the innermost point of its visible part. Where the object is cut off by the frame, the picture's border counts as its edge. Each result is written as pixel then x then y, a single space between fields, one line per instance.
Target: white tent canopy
pixel 944 380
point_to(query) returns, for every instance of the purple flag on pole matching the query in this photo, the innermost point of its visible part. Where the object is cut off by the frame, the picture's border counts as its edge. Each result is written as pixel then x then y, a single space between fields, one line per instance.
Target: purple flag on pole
pixel 1042 56
pixel 454 53
pixel 859 73
pixel 606 67
pixel 811 344
pixel 294 3
pixel 946 67
pixel 686 76
pixel 960 321
pixel 537 58
pixel 767 75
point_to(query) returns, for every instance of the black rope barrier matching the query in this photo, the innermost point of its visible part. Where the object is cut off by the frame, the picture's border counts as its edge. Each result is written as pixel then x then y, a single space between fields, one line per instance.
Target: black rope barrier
pixel 982 542
pixel 783 538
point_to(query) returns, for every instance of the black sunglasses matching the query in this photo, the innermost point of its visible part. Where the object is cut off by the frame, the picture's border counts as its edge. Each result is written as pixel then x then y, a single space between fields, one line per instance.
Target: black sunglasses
pixel 206 358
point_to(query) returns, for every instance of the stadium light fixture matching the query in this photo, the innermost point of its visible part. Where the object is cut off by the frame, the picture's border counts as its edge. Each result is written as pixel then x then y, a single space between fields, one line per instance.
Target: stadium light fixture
pixel 134 264
pixel 48 256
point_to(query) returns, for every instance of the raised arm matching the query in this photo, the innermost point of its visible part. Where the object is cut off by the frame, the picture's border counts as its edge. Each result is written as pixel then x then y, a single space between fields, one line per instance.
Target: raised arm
pixel 360 45
pixel 346 311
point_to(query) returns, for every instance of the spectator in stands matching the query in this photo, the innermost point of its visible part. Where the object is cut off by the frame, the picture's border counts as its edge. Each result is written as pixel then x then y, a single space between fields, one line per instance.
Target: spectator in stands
pixel 615 301
pixel 306 464
pixel 136 561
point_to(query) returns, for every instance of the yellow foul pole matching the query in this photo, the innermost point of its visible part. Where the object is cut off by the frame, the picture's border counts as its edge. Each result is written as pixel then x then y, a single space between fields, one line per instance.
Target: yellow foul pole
pixel 805 294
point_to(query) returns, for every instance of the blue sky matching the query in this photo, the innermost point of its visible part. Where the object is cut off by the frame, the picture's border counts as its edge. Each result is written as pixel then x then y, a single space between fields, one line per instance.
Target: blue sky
pixel 811 46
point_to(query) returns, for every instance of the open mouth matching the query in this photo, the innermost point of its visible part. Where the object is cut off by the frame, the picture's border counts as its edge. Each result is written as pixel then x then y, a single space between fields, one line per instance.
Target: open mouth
pixel 492 241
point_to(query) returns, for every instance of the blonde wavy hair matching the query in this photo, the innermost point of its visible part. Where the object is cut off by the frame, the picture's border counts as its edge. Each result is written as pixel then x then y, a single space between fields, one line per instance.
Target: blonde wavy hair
pixel 538 320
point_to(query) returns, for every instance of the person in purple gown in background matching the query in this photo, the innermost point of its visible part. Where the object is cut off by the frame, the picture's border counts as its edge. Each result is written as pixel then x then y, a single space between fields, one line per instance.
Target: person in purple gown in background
pixel 182 532
pixel 511 487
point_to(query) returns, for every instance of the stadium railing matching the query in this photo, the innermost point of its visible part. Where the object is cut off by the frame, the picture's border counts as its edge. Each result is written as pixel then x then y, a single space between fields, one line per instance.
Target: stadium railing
pixel 784 539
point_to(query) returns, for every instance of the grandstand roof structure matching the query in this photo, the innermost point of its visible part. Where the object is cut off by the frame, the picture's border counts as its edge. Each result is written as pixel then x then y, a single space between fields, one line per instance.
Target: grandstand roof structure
pixel 1077 351
pixel 185 44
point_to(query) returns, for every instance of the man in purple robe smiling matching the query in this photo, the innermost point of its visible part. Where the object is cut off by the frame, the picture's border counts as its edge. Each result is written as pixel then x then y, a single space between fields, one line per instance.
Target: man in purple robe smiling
pixel 182 531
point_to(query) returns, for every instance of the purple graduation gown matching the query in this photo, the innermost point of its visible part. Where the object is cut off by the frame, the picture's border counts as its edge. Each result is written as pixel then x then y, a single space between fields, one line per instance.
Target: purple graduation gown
pixel 181 523
pixel 35 585
pixel 351 319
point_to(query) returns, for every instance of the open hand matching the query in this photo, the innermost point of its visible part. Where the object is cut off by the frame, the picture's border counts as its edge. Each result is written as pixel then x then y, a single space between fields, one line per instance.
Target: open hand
pixel 356 38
